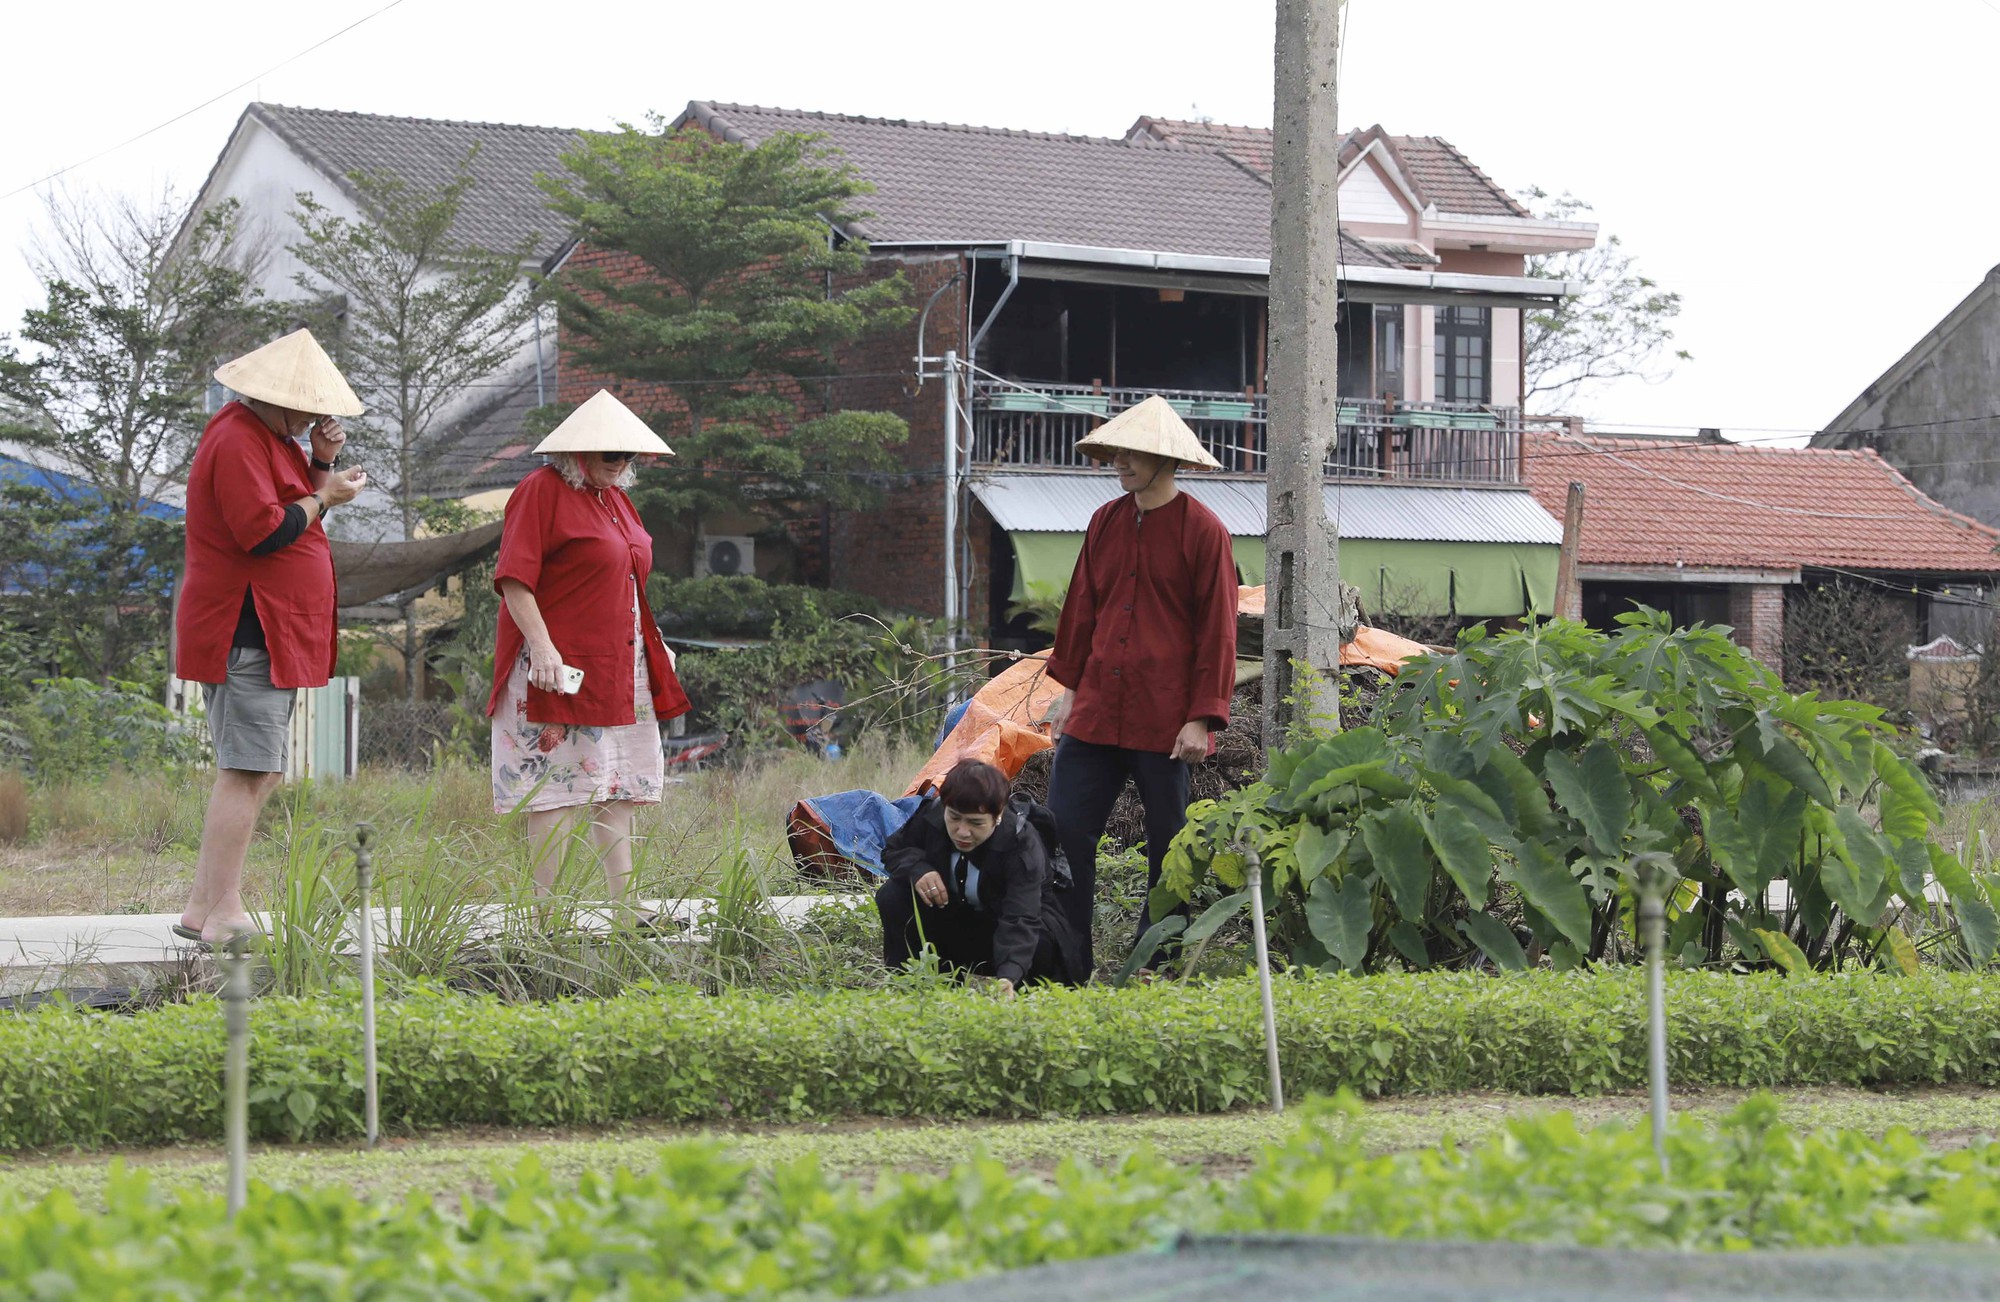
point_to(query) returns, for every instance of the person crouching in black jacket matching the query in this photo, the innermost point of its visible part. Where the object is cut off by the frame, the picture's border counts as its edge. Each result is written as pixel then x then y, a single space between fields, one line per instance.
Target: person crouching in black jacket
pixel 971 878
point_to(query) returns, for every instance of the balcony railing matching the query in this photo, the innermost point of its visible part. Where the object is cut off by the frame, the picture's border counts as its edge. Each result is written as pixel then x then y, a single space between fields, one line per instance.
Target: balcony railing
pixel 1037 426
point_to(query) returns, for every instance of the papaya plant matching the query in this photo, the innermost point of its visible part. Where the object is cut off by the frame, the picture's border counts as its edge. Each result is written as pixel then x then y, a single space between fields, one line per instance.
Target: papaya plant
pixel 1510 791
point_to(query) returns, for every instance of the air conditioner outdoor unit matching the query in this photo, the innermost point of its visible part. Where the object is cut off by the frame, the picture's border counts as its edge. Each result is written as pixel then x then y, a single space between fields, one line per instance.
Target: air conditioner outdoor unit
pixel 726 554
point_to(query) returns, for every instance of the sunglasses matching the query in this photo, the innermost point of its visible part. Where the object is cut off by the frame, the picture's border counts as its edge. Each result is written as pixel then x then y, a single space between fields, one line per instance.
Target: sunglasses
pixel 616 458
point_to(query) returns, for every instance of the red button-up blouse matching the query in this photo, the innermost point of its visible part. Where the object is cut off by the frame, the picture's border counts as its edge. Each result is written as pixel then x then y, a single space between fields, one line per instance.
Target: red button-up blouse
pixel 242 479
pixel 583 554
pixel 1147 640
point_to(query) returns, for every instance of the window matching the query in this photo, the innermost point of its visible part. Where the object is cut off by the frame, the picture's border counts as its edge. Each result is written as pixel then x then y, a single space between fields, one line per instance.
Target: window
pixel 1464 353
pixel 1389 350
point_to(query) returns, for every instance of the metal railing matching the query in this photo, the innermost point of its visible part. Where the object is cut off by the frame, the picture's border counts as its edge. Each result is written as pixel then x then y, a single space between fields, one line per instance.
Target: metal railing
pixel 1037 426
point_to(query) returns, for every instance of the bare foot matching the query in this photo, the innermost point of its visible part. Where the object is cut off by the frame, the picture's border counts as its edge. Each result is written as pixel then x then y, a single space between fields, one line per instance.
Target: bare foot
pixel 219 931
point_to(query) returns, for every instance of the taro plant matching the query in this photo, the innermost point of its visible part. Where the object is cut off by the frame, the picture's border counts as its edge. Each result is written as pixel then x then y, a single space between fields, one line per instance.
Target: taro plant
pixel 1512 789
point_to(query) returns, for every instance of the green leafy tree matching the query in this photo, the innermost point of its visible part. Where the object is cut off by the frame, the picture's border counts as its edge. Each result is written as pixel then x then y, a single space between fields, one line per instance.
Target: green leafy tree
pixel 427 316
pixel 141 299
pixel 1621 325
pixel 748 297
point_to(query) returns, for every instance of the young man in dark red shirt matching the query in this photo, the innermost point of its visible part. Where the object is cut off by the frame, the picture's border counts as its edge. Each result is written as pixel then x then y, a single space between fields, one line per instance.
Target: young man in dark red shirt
pixel 1146 648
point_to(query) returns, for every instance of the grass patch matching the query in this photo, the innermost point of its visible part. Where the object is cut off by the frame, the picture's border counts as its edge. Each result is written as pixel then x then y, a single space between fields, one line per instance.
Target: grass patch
pixel 126 843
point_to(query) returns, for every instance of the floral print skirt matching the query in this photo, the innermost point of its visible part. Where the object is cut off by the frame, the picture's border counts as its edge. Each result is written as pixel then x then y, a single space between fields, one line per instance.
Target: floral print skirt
pixel 542 766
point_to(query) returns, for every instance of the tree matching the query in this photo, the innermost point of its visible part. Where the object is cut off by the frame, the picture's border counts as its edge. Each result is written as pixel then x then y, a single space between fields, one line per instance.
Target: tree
pixel 748 295
pixel 1618 327
pixel 427 316
pixel 141 301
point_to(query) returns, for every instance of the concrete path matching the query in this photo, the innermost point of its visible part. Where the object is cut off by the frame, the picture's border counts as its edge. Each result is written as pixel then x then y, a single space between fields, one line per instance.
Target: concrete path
pixel 137 951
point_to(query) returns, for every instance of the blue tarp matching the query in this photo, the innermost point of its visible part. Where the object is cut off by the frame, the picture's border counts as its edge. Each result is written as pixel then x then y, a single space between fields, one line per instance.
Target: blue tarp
pixel 861 822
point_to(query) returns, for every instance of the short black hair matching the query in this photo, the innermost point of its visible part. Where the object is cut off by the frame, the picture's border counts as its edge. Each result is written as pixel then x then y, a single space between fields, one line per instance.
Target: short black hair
pixel 974 787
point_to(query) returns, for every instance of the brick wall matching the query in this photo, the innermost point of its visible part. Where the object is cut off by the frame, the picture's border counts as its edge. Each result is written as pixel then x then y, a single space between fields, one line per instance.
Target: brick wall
pixel 1757 610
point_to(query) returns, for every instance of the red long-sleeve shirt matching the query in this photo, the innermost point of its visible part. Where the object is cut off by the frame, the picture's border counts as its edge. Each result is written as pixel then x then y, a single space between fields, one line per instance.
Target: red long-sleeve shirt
pixel 243 478
pixel 1147 640
pixel 584 555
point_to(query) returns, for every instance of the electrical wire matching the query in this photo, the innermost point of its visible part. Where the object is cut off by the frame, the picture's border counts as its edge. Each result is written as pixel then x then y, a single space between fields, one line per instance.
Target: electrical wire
pixel 61 171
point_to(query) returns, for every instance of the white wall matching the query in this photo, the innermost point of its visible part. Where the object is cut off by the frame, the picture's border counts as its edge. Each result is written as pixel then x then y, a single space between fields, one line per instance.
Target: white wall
pixel 263 174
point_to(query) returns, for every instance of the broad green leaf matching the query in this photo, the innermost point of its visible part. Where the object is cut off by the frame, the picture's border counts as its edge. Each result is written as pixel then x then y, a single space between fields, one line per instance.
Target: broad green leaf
pixel 1899 951
pixel 1516 790
pixel 1317 851
pixel 1409 942
pixel 1913 860
pixel 1340 914
pixel 1462 795
pixel 1782 756
pixel 1977 923
pixel 1855 872
pixel 1563 957
pixel 1592 787
pixel 1214 916
pixel 1495 941
pixel 1759 839
pixel 1228 867
pixel 1671 749
pixel 1907 781
pixel 1395 840
pixel 1782 951
pixel 1545 883
pixel 1463 850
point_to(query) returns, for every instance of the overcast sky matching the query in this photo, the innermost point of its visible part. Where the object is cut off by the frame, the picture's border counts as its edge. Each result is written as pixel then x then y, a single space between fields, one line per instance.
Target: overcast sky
pixel 1792 169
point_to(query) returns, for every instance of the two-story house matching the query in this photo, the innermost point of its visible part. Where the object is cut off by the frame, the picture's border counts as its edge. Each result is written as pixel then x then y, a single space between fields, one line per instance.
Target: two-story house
pixel 1069 276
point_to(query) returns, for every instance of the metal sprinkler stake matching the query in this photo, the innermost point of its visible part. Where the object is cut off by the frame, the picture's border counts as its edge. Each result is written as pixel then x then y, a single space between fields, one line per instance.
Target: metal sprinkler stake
pixel 364 878
pixel 1653 927
pixel 1254 870
pixel 236 1067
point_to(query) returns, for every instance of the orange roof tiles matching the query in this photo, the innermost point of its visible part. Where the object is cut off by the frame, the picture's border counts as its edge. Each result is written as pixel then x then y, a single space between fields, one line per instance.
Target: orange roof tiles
pixel 1659 502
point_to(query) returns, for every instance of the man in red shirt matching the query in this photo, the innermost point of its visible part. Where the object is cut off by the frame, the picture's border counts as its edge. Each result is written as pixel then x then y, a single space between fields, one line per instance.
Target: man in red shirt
pixel 255 620
pixel 1146 648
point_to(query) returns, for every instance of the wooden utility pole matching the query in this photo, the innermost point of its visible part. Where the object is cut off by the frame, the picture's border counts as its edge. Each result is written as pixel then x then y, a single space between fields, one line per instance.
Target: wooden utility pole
pixel 1307 614
pixel 1569 589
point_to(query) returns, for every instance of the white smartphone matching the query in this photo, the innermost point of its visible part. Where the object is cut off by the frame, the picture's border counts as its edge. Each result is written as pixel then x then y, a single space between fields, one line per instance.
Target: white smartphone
pixel 572 681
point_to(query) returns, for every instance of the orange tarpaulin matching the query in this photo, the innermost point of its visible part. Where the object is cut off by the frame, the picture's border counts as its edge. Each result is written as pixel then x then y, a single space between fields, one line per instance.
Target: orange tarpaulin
pixel 1008 720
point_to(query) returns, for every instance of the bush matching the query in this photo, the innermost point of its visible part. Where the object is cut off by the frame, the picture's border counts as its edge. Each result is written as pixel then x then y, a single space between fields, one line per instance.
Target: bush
pixel 742 605
pixel 703 1224
pixel 70 728
pixel 1526 788
pixel 70 1078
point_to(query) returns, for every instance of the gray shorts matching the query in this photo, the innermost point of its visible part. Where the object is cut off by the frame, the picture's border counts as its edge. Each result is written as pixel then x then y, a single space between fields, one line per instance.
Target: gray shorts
pixel 249 720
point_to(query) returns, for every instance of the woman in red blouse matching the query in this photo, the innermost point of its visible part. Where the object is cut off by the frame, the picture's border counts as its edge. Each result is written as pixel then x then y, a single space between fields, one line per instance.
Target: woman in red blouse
pixel 572 578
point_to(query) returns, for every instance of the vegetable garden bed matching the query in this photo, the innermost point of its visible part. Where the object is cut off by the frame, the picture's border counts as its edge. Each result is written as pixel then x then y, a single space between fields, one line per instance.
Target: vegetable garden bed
pixel 69 1078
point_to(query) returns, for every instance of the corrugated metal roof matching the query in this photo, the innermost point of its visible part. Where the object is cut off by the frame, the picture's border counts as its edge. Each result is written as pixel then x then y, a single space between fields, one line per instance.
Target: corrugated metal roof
pixel 1063 503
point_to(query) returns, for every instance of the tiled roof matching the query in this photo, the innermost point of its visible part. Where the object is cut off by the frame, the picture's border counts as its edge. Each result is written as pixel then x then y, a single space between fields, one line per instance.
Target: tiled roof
pixel 943 184
pixel 505 208
pixel 1656 502
pixel 490 447
pixel 1434 167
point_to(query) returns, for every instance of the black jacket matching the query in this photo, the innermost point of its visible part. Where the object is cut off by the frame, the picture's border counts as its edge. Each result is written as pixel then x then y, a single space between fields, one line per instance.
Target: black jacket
pixel 1013 874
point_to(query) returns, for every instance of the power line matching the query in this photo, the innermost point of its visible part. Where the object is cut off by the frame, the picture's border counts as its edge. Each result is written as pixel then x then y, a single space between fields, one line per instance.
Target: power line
pixel 60 171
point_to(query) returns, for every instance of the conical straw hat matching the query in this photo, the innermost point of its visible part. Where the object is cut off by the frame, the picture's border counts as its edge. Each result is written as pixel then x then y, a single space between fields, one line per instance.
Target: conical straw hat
pixel 292 372
pixel 1151 426
pixel 603 424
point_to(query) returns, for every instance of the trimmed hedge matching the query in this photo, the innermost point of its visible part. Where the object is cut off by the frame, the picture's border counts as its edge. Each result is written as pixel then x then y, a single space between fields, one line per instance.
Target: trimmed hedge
pixel 87 1079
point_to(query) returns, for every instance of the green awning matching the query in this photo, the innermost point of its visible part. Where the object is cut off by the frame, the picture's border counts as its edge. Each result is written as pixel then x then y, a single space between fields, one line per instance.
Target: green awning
pixel 1468 579
pixel 1043 562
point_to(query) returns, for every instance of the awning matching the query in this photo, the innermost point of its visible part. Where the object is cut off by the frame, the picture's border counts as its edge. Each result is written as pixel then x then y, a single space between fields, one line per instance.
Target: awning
pixel 367 572
pixel 1409 549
